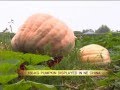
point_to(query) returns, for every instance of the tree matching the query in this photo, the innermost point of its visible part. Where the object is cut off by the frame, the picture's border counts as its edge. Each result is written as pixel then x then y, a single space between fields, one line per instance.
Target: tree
pixel 10 26
pixel 103 29
pixel 87 30
pixel 11 22
pixel 77 33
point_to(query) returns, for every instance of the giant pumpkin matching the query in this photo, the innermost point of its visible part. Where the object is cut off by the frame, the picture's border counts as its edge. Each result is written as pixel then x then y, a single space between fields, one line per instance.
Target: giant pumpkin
pixel 94 53
pixel 45 34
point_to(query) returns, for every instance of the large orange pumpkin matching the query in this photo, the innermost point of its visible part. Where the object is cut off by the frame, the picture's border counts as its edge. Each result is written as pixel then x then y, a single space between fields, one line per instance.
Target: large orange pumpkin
pixel 94 53
pixel 45 34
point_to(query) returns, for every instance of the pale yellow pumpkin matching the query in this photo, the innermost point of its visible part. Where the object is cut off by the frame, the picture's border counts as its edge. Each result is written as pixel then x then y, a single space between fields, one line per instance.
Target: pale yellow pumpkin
pixel 45 34
pixel 94 53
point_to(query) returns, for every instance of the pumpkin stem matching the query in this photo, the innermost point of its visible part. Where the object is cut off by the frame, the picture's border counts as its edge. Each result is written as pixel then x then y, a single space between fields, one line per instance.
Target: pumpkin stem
pixel 55 61
pixel 20 71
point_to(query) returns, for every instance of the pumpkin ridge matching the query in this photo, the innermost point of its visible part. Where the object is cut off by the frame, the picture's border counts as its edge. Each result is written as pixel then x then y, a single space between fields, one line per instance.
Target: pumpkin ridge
pixel 36 35
pixel 45 32
pixel 53 29
pixel 65 44
pixel 60 34
pixel 59 45
pixel 45 18
pixel 58 31
pixel 22 34
pixel 26 29
pixel 68 40
pixel 92 53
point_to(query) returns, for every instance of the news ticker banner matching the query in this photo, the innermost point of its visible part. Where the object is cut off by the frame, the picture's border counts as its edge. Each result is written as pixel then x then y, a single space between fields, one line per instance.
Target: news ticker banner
pixel 64 72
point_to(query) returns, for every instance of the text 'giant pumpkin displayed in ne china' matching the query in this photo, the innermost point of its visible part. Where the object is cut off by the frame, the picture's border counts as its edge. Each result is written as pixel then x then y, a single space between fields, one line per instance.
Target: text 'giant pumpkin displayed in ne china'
pixel 44 34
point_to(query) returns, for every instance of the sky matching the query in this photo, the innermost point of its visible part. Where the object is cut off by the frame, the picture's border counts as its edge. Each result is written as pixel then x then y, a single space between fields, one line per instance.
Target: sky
pixel 77 15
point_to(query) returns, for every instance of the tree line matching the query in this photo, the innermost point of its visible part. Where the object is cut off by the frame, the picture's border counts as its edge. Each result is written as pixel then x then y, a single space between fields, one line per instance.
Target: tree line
pixel 101 30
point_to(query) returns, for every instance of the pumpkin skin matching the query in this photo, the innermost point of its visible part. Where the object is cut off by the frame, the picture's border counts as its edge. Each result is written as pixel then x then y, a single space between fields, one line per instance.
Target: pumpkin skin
pixel 94 53
pixel 45 34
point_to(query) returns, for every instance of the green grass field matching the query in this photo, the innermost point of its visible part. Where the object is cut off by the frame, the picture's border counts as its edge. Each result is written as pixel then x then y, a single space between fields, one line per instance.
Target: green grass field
pixel 70 62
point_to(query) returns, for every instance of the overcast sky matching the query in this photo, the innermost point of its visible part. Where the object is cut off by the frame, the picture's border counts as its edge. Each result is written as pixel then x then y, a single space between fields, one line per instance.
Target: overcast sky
pixel 78 15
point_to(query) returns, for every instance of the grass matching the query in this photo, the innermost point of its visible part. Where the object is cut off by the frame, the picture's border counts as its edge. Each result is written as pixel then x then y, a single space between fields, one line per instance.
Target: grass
pixel 71 62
